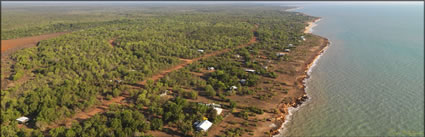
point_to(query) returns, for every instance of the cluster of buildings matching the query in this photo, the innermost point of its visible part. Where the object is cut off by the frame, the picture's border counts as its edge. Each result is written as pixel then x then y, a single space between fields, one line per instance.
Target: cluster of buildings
pixel 205 124
pixel 286 50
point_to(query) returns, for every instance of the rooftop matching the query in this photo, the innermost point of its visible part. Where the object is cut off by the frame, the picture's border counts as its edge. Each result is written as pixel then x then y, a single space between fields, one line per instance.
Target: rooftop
pixel 204 125
pixel 23 119
pixel 250 70
pixel 219 110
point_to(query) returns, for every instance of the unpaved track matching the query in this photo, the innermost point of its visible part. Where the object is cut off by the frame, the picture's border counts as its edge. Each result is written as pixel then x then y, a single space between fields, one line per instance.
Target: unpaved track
pixel 90 112
pixel 105 104
pixel 14 44
pixel 190 61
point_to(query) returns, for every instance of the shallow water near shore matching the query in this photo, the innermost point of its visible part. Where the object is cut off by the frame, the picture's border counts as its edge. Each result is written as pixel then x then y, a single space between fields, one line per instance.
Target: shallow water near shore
pixel 370 80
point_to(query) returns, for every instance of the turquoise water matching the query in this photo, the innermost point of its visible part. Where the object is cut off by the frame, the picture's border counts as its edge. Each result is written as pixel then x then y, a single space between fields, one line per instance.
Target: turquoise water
pixel 370 81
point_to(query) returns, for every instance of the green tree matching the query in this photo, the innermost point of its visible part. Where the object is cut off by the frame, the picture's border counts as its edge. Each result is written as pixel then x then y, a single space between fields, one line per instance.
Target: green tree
pixel 210 92
pixel 193 94
pixel 186 128
pixel 156 124
pixel 232 104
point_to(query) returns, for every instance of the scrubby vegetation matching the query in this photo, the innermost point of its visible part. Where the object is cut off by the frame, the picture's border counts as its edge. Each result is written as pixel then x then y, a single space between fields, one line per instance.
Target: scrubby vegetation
pixel 73 72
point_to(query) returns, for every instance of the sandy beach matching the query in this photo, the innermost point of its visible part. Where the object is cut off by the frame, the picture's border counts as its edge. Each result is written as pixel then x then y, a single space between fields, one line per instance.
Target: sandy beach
pixel 311 25
pixel 292 9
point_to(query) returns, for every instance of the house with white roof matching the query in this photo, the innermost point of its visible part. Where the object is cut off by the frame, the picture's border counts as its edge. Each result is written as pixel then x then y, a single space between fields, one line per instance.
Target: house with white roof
pixel 200 50
pixel 210 68
pixel 213 105
pixel 233 87
pixel 250 70
pixel 218 110
pixel 243 81
pixel 210 104
pixel 204 125
pixel 22 119
pixel 290 45
pixel 303 38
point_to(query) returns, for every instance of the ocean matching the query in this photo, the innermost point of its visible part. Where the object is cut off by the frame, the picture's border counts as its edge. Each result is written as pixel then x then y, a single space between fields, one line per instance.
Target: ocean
pixel 370 81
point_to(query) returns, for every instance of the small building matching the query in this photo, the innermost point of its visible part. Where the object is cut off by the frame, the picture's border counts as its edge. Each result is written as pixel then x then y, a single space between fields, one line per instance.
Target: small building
pixel 303 38
pixel 218 110
pixel 200 50
pixel 164 93
pixel 243 81
pixel 287 50
pixel 280 54
pixel 210 68
pixel 23 119
pixel 204 125
pixel 250 70
pixel 210 104
pixel 291 45
pixel 213 105
pixel 265 67
pixel 237 56
pixel 233 87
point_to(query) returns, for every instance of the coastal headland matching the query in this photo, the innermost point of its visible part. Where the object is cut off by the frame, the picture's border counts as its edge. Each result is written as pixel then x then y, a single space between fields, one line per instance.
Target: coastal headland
pixel 312 49
pixel 265 74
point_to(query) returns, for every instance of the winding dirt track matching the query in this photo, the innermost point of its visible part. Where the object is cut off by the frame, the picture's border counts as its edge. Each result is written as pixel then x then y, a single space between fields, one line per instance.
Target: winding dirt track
pixel 105 103
pixel 190 61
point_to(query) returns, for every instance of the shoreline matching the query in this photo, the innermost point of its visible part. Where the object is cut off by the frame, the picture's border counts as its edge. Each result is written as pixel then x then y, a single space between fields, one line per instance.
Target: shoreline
pixel 290 109
pixel 287 109
pixel 292 9
pixel 311 25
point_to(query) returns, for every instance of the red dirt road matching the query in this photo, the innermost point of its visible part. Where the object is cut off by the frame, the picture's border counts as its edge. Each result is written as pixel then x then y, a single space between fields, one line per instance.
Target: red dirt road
pixel 26 41
pixel 89 112
pixel 105 104
pixel 189 61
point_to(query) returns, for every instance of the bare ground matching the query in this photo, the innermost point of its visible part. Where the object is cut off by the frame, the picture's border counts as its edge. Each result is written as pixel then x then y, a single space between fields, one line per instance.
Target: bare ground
pixel 10 46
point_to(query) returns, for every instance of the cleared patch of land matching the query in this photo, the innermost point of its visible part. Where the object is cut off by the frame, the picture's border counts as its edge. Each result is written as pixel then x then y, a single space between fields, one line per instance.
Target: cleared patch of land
pixel 10 46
